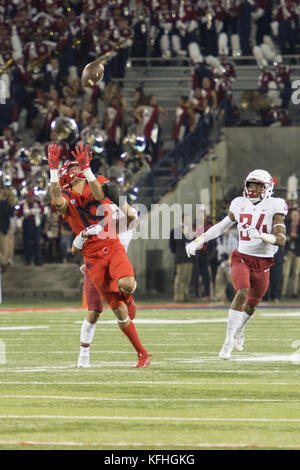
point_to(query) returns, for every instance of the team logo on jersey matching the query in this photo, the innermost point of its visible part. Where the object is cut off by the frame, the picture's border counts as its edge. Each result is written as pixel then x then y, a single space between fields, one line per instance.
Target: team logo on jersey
pixel 73 201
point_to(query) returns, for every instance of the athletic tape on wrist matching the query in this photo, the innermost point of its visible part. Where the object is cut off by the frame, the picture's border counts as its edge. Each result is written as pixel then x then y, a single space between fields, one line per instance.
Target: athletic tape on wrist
pixel 54 176
pixel 89 175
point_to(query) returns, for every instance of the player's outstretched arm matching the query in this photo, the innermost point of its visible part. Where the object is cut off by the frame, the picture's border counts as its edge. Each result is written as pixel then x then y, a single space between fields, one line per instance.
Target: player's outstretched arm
pixel 83 157
pixel 55 191
pixel 213 232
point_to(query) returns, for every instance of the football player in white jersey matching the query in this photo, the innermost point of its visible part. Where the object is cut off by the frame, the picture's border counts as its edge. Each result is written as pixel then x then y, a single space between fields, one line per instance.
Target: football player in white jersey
pixel 260 221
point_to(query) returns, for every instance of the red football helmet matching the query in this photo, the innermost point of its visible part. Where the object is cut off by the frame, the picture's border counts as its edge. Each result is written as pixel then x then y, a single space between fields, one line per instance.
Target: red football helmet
pixel 65 177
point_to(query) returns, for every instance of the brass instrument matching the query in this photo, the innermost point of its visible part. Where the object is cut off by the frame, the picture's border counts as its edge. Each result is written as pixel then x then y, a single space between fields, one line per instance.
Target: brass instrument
pixel 66 129
pixel 7 66
pixel 37 63
pixel 37 155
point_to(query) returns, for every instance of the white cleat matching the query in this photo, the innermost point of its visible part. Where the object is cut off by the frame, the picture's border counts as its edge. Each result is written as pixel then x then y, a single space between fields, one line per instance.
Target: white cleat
pixel 83 362
pixel 226 351
pixel 239 341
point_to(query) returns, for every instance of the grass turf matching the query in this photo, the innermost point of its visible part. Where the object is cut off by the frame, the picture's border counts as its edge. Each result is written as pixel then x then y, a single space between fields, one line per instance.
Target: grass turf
pixel 186 399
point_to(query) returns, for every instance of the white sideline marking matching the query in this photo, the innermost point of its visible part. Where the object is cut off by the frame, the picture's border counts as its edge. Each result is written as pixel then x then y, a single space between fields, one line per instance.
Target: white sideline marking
pixel 256 358
pixel 60 311
pixel 246 400
pixel 151 418
pixel 141 444
pixel 71 367
pixel 280 315
pixel 158 321
pixel 23 327
pixel 134 382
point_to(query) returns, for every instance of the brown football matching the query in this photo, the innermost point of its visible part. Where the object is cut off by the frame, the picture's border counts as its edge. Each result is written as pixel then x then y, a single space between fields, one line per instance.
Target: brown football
pixel 92 74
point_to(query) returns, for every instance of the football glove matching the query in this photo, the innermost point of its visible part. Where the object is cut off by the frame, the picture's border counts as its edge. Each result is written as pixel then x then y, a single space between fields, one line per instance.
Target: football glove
pixel 83 156
pixel 266 237
pixel 53 156
pixel 81 238
pixel 195 245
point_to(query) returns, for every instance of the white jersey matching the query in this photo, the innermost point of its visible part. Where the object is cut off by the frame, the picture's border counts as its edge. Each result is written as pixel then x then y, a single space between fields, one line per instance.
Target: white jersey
pixel 259 216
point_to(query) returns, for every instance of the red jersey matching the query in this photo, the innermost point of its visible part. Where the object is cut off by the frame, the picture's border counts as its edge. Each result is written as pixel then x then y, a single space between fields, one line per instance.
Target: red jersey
pixel 83 210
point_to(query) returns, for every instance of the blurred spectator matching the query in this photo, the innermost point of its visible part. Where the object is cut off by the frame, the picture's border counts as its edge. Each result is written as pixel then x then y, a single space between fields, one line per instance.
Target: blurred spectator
pixel 266 77
pixel 185 119
pixel 114 128
pixel 66 240
pixel 285 15
pixel 11 195
pixel 283 81
pixel 149 118
pixel 226 244
pixel 7 142
pixel 200 71
pixel 292 253
pixel 167 39
pixel 202 276
pixel 30 215
pixel 6 213
pixel 209 94
pixel 199 103
pixel 140 99
pixel 136 167
pixel 179 237
pixel 275 284
pixel 51 231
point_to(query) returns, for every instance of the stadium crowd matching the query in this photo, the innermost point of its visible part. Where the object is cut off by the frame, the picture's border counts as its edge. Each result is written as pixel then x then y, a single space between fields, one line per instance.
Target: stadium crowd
pixel 44 46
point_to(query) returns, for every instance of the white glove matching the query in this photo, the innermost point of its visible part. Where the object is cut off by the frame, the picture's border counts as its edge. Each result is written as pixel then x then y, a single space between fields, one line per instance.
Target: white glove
pixel 80 240
pixel 195 245
pixel 253 232
pixel 266 237
pixel 93 230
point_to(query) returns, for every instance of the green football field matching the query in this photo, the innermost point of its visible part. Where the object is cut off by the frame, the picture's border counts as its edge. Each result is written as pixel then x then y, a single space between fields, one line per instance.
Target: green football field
pixel 187 399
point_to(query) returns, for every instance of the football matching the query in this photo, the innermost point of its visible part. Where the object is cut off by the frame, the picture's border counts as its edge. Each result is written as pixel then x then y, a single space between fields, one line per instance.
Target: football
pixel 92 74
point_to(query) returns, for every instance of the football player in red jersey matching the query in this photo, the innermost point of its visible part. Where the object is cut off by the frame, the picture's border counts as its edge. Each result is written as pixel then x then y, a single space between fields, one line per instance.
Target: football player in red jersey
pixel 85 200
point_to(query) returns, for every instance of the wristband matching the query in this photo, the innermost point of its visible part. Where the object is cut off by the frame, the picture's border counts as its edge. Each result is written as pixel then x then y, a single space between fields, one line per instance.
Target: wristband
pixel 79 241
pixel 268 238
pixel 89 175
pixel 54 176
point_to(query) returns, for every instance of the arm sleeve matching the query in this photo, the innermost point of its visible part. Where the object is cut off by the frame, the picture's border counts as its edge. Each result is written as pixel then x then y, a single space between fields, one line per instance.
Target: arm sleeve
pixel 216 230
pixel 280 206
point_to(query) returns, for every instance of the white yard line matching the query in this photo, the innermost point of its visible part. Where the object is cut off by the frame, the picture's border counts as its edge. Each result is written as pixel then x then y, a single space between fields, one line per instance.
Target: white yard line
pixel 280 315
pixel 135 382
pixel 4 328
pixel 147 445
pixel 152 418
pixel 166 400
pixel 161 321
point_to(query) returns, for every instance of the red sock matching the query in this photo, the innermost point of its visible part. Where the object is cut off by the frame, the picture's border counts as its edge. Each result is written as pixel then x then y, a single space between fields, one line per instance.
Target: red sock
pixel 129 301
pixel 132 335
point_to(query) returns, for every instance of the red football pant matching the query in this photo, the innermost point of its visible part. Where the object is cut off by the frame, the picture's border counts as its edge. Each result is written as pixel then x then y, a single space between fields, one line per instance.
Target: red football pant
pixel 93 298
pixel 105 268
pixel 253 273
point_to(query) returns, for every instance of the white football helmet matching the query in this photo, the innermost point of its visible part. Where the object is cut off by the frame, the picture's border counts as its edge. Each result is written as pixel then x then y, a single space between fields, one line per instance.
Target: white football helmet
pixel 259 176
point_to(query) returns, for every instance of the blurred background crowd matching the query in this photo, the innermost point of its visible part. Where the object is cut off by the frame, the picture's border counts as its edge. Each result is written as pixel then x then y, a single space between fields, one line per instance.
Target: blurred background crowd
pixel 44 46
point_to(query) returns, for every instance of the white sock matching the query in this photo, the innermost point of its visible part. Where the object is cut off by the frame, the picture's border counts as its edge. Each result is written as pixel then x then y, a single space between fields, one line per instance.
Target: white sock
pixel 244 319
pixel 234 320
pixel 84 351
pixel 87 332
